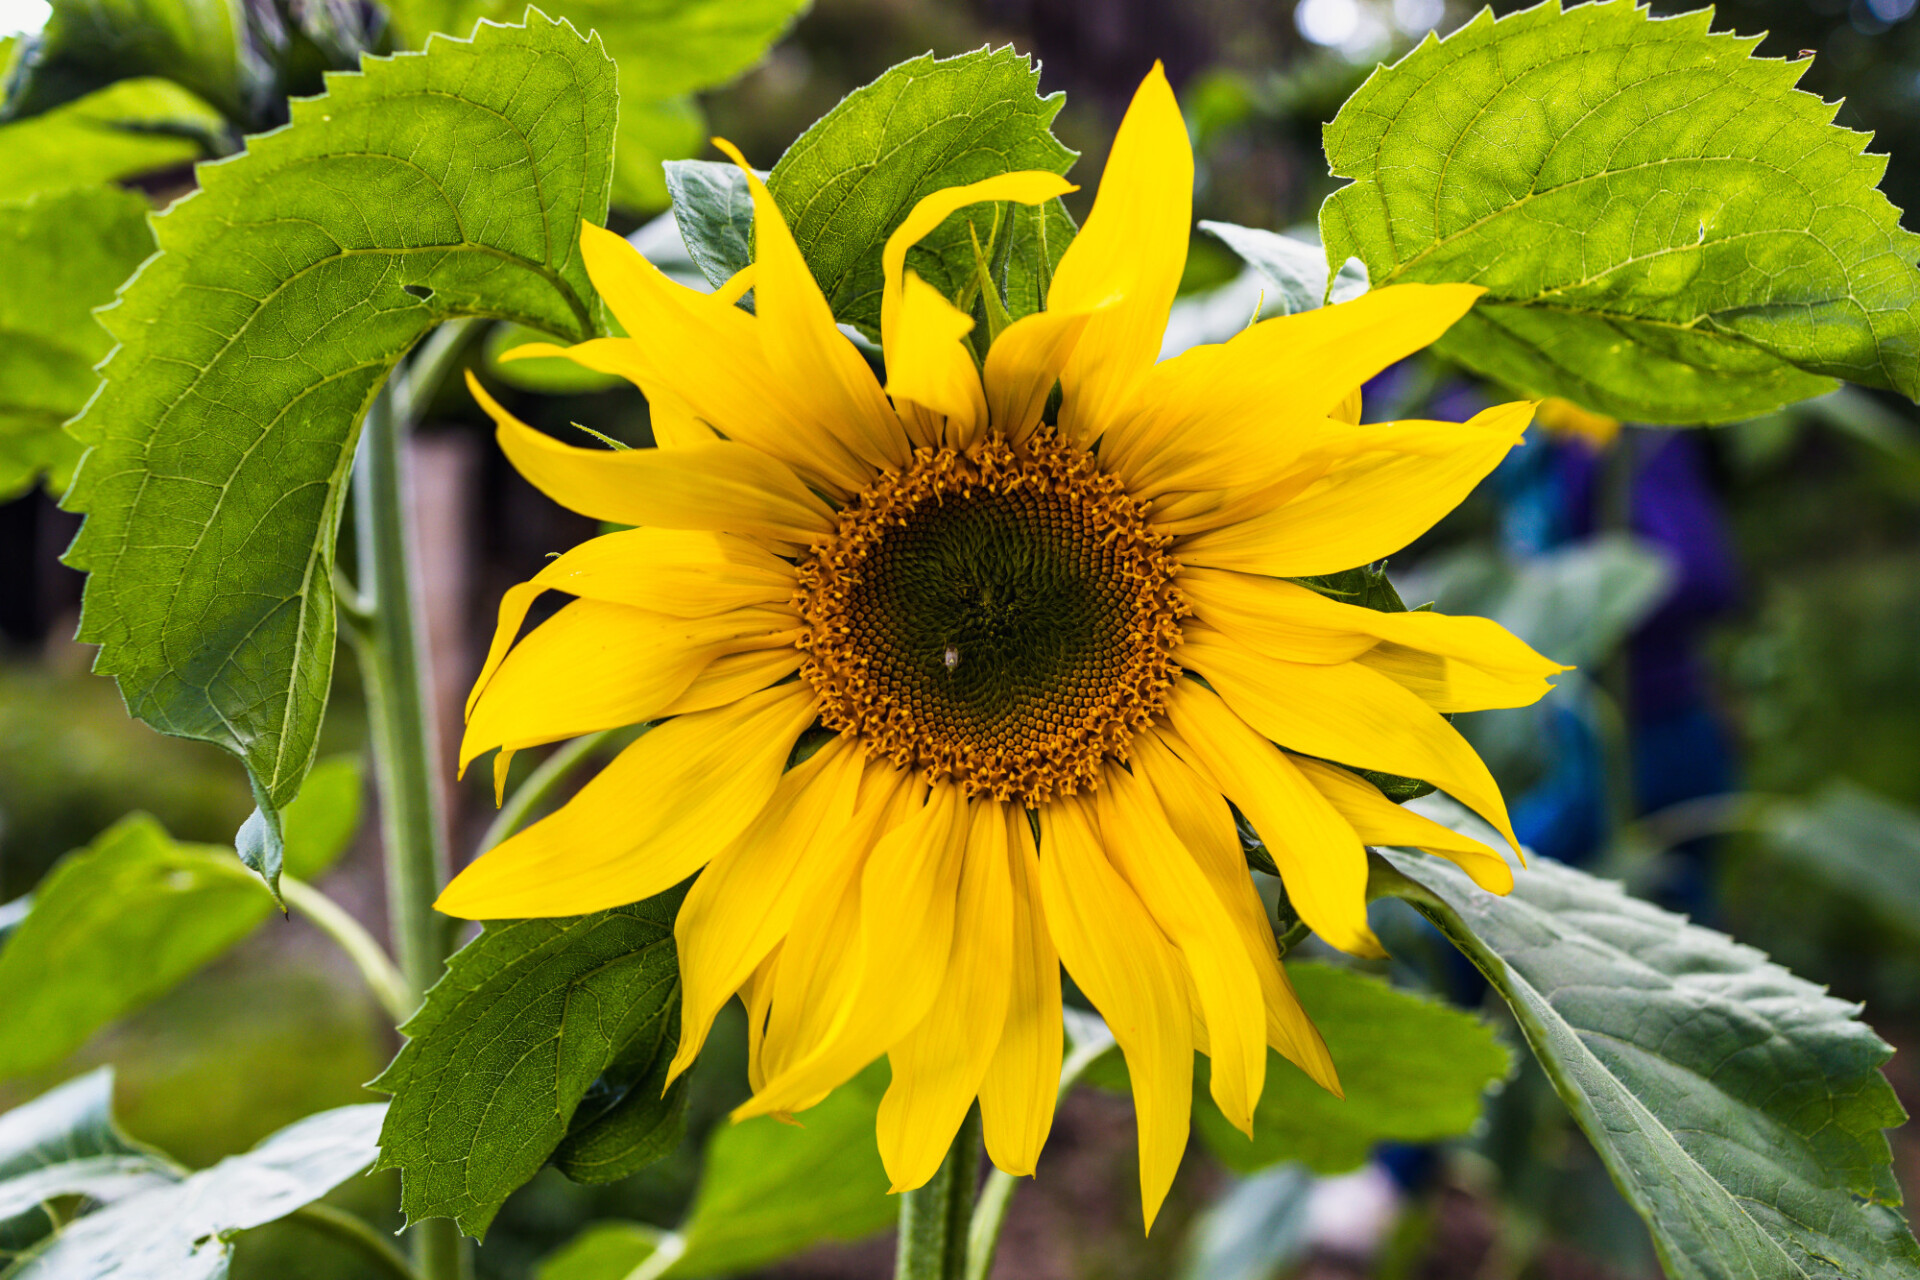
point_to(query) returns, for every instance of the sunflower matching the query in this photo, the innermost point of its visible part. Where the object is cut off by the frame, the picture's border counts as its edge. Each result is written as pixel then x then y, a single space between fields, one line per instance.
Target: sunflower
pixel 951 689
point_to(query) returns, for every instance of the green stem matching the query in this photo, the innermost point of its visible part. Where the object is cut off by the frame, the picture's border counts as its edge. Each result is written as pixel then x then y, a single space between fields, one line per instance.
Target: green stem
pixel 540 784
pixel 349 1229
pixel 405 746
pixel 386 982
pixel 933 1218
pixel 1090 1040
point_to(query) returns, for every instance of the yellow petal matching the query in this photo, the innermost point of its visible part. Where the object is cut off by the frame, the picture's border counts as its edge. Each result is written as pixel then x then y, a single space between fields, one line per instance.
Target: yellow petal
pixel 1033 186
pixel 1320 858
pixel 820 965
pixel 1134 244
pixel 1378 820
pixel 757 997
pixel 743 903
pixel 595 665
pixel 905 938
pixel 732 676
pixel 672 419
pixel 699 351
pixel 803 346
pixel 1363 509
pixel 1271 616
pixel 1346 712
pixel 928 363
pixel 651 818
pixel 1022 1083
pixel 671 571
pixel 721 486
pixel 1117 955
pixel 1024 363
pixel 1162 870
pixel 921 333
pixel 938 1068
pixel 1205 826
pixel 1452 663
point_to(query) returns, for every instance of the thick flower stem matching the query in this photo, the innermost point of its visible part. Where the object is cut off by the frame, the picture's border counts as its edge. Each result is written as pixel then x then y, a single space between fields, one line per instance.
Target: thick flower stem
pixel 405 749
pixel 933 1219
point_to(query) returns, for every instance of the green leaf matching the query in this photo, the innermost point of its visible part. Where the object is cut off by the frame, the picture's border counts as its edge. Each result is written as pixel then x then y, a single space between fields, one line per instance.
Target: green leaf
pixel 928 123
pixel 1738 1107
pixel 113 926
pixel 527 1018
pixel 665 48
pixel 126 129
pixel 426 187
pixel 714 210
pixel 1414 1070
pixel 604 1251
pixel 652 133
pixel 323 821
pixel 88 44
pixel 630 1116
pixel 1296 270
pixel 770 1190
pixel 61 255
pixel 185 1230
pixel 1863 845
pixel 65 1143
pixel 1668 231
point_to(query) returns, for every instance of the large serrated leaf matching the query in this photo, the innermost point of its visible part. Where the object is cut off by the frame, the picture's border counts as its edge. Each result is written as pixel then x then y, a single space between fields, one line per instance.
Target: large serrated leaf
pixel 61 255
pixel 427 186
pixel 529 1015
pixel 1667 229
pixel 928 123
pixel 184 1230
pixel 1739 1108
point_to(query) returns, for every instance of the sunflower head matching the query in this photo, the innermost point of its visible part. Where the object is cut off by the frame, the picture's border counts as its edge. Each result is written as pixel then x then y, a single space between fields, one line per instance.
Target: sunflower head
pixel 1050 651
pixel 1003 618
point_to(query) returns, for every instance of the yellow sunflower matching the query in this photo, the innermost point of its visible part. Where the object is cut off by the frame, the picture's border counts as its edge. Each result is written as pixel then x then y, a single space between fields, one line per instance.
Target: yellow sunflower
pixel 1039 655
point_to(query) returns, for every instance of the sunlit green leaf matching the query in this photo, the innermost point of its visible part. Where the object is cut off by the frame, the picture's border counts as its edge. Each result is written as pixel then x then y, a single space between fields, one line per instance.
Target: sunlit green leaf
pixel 928 123
pixel 87 44
pixel 184 1230
pixel 111 927
pixel 665 48
pixel 427 187
pixel 769 1189
pixel 128 128
pixel 1668 231
pixel 1739 1108
pixel 529 1015
pixel 61 255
